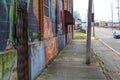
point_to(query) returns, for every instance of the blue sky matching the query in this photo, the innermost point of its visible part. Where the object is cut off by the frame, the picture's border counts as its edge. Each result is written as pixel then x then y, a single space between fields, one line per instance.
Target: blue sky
pixel 102 9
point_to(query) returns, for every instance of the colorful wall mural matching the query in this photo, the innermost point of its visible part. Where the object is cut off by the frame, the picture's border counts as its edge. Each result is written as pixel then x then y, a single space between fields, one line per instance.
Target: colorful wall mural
pixel 40 52
pixel 50 33
pixel 49 22
pixel 32 6
pixel 8 19
pixel 53 17
pixel 60 17
pixel 8 65
pixel 52 45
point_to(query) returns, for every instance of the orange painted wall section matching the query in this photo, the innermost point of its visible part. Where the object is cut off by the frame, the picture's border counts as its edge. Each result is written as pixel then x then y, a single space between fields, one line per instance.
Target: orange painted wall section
pixel 50 49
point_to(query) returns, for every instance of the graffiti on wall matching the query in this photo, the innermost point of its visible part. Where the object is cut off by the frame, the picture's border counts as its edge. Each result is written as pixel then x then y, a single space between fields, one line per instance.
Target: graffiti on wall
pixel 8 66
pixel 60 17
pixel 53 17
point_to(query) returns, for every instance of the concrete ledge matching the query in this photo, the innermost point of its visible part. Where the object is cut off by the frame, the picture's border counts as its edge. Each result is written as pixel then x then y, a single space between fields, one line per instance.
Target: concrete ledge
pixel 8 51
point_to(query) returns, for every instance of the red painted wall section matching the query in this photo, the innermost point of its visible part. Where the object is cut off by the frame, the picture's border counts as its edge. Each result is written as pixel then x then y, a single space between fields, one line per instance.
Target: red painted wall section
pixel 51 48
pixel 48 31
pixel 50 28
pixel 50 41
pixel 46 27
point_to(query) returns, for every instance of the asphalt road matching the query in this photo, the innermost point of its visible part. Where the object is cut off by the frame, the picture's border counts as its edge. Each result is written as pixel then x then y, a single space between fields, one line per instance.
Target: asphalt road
pixel 106 35
pixel 108 50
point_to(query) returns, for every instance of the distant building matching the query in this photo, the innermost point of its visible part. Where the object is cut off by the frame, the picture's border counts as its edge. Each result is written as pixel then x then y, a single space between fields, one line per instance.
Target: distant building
pixel 78 23
pixel 116 24
pixel 102 23
pixel 109 24
pixel 96 24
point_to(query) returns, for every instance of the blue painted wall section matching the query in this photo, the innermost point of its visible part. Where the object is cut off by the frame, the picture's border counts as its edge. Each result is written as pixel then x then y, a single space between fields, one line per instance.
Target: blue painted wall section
pixel 37 59
pixel 60 17
pixel 53 16
pixel 61 42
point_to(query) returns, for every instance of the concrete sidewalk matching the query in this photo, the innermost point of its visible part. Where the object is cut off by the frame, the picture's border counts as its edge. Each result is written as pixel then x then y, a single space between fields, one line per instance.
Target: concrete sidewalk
pixel 109 58
pixel 70 65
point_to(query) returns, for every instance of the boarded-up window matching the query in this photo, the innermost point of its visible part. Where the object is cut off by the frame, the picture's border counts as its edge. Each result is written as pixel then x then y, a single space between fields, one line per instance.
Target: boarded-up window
pixel 46 8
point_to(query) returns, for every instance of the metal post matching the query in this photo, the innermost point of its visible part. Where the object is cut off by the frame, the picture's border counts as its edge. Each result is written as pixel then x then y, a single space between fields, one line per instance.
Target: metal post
pixel 93 30
pixel 88 53
pixel 112 13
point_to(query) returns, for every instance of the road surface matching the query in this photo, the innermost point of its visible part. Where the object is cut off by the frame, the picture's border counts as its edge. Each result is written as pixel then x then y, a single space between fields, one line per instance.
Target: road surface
pixel 108 49
pixel 106 35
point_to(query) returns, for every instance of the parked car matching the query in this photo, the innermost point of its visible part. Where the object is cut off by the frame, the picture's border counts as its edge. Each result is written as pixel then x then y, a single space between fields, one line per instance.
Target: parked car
pixel 116 34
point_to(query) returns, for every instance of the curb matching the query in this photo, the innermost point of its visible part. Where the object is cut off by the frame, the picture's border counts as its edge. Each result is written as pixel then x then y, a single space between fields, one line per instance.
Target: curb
pixel 101 64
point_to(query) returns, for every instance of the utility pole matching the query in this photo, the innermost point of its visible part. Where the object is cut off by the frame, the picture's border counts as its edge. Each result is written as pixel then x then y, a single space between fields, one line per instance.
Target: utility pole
pixel 112 13
pixel 88 50
pixel 93 19
pixel 118 15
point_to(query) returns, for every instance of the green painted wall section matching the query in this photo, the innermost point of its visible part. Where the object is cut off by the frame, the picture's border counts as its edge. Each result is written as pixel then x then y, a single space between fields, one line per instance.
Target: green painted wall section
pixel 11 13
pixel 8 65
pixel 12 18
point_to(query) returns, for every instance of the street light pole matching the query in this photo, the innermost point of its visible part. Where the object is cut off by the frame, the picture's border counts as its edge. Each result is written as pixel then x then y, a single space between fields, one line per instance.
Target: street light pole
pixel 88 50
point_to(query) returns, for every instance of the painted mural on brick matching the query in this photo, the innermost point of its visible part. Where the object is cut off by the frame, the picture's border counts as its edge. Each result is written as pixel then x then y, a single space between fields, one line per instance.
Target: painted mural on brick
pixel 50 32
pixel 61 38
pixel 32 6
pixel 8 21
pixel 60 17
pixel 49 22
pixel 8 18
pixel 8 65
pixel 53 17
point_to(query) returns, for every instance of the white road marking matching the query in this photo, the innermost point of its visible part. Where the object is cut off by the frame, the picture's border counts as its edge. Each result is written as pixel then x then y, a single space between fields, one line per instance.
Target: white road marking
pixel 109 47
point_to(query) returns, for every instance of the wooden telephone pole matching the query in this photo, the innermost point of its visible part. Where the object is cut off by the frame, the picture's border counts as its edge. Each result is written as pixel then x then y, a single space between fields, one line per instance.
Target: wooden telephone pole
pixel 88 49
